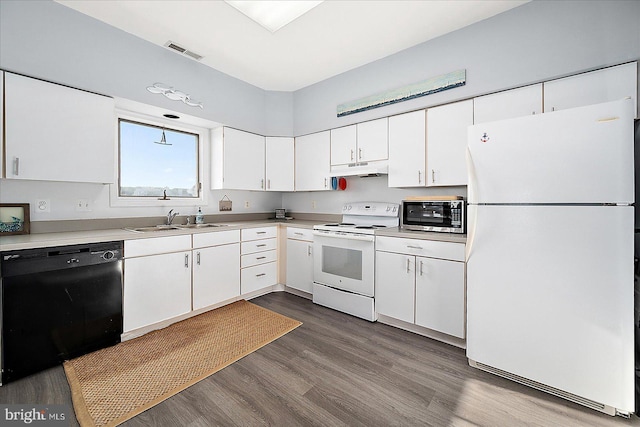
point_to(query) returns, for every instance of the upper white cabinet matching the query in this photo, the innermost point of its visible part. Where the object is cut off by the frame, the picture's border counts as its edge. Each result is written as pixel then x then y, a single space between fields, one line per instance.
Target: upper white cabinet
pixel 279 164
pixel 509 104
pixel 407 149
pixel 360 143
pixel 608 84
pixel 238 160
pixel 56 133
pixel 313 161
pixel 447 143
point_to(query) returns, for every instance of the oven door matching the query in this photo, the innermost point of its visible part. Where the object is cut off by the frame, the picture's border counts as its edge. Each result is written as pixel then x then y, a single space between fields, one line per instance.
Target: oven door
pixel 344 261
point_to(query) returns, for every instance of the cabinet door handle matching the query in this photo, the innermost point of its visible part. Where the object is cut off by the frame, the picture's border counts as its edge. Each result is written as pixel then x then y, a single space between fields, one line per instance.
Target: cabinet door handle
pixel 352 154
pixel 325 183
pixel 262 183
pixel 269 183
pixel 261 274
pixel 433 175
pixel 419 177
pixel 186 260
pixel 421 265
pixel 408 264
pixel 309 250
pixel 16 166
pixel 198 258
pixel 359 153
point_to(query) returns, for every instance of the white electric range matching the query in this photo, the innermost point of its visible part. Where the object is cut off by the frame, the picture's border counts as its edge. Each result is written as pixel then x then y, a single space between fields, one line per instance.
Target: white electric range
pixel 344 257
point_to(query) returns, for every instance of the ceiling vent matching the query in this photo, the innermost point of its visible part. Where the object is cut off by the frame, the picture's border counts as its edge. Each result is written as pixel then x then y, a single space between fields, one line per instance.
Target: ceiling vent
pixel 171 45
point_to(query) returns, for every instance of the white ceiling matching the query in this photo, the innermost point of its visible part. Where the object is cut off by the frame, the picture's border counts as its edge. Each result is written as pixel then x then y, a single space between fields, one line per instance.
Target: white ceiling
pixel 334 37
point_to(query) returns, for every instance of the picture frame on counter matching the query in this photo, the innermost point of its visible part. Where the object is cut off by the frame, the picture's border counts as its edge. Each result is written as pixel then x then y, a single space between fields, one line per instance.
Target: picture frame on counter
pixel 14 219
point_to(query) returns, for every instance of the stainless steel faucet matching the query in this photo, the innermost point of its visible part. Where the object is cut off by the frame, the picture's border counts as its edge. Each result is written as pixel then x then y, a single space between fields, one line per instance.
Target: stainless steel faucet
pixel 171 216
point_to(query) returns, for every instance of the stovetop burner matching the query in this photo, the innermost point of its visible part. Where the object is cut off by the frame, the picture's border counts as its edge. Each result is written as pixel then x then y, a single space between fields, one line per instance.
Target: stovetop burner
pixel 364 218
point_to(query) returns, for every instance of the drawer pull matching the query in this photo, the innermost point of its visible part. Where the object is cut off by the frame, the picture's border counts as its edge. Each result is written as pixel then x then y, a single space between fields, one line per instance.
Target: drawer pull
pixel 262 245
pixel 298 234
pixel 261 232
pixel 414 247
pixel 261 257
pixel 261 274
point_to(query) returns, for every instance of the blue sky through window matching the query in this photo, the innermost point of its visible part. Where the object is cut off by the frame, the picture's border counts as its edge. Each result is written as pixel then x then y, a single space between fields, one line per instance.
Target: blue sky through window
pixel 146 169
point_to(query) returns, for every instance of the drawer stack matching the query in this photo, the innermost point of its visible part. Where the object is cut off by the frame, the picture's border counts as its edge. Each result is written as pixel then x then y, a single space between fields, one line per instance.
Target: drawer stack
pixel 258 249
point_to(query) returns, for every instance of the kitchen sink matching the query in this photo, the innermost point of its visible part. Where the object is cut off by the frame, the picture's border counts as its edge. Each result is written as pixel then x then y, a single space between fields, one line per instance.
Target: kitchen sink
pixel 156 228
pixel 201 225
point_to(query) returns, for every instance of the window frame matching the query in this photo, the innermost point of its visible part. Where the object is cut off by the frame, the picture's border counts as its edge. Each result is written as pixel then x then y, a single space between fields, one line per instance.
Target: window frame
pixel 203 141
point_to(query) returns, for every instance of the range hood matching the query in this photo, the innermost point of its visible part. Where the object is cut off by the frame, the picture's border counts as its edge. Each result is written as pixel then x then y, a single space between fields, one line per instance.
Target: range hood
pixel 362 169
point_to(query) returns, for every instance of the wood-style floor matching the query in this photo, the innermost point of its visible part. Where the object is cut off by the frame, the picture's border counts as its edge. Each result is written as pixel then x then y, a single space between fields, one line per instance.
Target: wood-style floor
pixel 337 370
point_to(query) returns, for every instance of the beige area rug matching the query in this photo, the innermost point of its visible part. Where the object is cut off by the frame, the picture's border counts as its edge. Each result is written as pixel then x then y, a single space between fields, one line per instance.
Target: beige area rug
pixel 114 384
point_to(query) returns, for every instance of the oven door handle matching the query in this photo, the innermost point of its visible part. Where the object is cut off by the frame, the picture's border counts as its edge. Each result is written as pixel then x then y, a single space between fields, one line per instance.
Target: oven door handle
pixel 361 237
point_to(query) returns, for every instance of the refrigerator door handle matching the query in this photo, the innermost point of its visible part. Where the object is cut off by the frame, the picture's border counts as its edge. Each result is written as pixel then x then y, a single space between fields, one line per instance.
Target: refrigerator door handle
pixel 472 208
pixel 472 188
pixel 472 220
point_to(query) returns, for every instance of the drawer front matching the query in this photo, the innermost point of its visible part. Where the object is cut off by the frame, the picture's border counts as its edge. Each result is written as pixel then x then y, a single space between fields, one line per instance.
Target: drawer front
pixel 258 246
pixel 156 245
pixel 258 277
pixel 426 248
pixel 215 238
pixel 300 234
pixel 259 233
pixel 250 260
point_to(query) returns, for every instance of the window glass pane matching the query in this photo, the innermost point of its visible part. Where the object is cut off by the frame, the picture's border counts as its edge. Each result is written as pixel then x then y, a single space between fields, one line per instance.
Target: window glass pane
pixel 148 168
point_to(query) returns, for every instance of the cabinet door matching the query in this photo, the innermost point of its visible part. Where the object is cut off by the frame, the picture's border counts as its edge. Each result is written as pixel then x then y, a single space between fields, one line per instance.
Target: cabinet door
pixel 1 124
pixel 509 104
pixel 216 274
pixel 608 84
pixel 279 164
pixel 55 133
pixel 244 155
pixel 440 295
pixel 407 142
pixel 395 285
pixel 343 145
pixel 373 140
pixel 313 161
pixel 300 265
pixel 447 143
pixel 156 288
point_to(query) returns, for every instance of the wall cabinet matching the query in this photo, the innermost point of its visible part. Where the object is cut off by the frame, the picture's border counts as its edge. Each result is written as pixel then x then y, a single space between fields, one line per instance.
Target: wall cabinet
pixel 608 84
pixel 157 280
pixel 509 104
pixel 313 162
pixel 56 133
pixel 359 143
pixel 216 267
pixel 421 282
pixel 258 258
pixel 447 143
pixel 279 170
pixel 407 149
pixel 237 161
pixel 300 259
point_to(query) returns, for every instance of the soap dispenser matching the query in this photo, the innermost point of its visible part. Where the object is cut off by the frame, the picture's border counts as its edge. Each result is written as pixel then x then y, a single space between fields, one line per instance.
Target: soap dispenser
pixel 199 217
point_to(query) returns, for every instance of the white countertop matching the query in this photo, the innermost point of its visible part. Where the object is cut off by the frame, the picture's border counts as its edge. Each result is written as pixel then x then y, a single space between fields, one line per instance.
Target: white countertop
pixel 42 240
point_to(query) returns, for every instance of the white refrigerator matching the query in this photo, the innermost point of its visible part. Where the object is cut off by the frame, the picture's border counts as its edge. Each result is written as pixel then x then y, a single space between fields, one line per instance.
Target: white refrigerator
pixel 550 259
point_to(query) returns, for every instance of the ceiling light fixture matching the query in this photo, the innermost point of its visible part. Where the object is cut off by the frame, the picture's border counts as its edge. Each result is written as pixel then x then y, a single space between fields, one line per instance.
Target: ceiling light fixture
pixel 273 15
pixel 173 94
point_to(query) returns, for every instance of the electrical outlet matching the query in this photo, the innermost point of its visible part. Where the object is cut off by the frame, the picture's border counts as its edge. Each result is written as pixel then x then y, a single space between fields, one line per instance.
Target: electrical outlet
pixel 83 205
pixel 246 204
pixel 43 205
pixel 313 204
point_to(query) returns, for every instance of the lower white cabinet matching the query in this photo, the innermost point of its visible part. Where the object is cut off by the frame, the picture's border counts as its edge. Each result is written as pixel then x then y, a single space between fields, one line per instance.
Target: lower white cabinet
pixel 259 268
pixel 300 259
pixel 157 286
pixel 216 269
pixel 428 291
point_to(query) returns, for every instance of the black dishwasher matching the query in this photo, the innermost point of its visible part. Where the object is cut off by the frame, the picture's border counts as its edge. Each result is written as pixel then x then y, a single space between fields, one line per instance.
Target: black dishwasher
pixel 58 303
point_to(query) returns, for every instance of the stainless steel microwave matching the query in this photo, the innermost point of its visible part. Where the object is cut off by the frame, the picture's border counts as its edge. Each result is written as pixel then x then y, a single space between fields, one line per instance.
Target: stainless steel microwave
pixel 444 216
